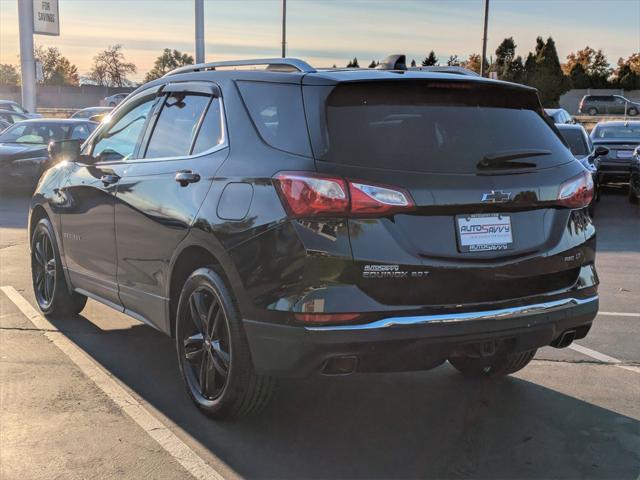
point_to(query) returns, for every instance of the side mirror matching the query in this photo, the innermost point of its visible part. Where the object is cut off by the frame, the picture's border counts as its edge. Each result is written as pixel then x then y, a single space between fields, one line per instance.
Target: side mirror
pixel 601 151
pixel 64 150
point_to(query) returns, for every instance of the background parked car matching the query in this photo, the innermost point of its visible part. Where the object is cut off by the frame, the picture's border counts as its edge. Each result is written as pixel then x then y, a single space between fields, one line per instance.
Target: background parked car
pixel 4 125
pixel 23 148
pixel 559 115
pixel 12 117
pixel 91 112
pixel 585 152
pixel 608 104
pixel 621 138
pixel 634 177
pixel 113 100
pixel 16 107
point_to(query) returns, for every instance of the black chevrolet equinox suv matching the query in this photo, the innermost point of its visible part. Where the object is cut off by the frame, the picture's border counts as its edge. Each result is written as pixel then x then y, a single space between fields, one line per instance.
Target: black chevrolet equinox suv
pixel 287 221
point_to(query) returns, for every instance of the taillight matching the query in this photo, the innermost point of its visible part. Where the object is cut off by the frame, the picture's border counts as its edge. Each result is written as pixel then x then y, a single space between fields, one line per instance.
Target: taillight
pixel 309 194
pixel 576 192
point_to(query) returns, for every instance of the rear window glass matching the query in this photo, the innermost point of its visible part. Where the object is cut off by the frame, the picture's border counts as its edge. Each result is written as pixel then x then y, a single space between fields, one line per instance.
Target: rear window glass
pixel 277 112
pixel 576 141
pixel 423 127
pixel 616 132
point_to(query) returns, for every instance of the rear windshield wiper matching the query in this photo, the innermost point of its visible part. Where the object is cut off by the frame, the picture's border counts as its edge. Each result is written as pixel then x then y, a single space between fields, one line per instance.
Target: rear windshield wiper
pixel 505 159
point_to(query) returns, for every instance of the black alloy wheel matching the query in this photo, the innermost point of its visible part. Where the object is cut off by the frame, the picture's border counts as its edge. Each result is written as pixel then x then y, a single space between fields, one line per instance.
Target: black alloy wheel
pixel 206 345
pixel 43 265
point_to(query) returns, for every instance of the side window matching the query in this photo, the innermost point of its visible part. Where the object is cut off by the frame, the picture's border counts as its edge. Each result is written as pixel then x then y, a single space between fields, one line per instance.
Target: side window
pixel 82 132
pixel 277 112
pixel 210 133
pixel 118 142
pixel 177 125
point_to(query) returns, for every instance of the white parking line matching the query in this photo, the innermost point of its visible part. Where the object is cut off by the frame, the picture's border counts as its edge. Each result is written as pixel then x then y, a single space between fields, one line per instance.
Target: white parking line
pixel 601 357
pixel 175 447
pixel 619 314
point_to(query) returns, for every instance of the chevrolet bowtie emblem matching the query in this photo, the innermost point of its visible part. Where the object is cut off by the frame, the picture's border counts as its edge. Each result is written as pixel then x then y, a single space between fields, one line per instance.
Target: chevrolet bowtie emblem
pixel 496 196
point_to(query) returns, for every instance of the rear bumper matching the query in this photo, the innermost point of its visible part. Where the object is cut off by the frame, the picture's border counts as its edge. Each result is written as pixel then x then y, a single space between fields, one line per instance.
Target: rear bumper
pixel 413 342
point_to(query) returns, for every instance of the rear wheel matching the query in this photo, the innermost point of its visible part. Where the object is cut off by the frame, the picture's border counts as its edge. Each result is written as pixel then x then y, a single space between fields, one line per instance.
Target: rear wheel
pixel 592 111
pixel 51 290
pixel 213 353
pixel 497 366
pixel 632 112
pixel 633 197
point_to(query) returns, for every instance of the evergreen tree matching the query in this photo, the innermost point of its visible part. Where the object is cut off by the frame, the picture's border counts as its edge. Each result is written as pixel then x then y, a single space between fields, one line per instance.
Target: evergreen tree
pixel 431 60
pixel 578 76
pixel 543 71
pixel 599 70
pixel 507 65
pixel 373 64
pixel 413 62
pixel 353 63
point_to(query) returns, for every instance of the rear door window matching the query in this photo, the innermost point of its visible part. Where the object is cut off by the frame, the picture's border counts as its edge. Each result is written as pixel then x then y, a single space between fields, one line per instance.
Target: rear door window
pixel 278 114
pixel 177 125
pixel 420 127
pixel 211 131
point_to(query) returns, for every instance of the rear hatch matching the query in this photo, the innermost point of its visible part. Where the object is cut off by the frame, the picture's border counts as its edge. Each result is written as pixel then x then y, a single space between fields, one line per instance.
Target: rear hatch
pixel 483 168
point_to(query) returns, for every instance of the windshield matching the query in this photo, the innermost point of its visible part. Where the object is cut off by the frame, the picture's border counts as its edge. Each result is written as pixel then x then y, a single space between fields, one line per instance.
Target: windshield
pixel 43 133
pixel 577 142
pixel 430 128
pixel 617 132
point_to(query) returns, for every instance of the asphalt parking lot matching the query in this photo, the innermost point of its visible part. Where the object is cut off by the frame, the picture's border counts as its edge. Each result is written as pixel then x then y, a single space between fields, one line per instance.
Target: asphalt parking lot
pixel 99 396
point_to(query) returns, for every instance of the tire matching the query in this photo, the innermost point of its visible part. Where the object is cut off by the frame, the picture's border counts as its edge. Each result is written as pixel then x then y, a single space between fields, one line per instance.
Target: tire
pixel 497 366
pixel 49 285
pixel 213 353
pixel 633 198
pixel 592 111
pixel 632 112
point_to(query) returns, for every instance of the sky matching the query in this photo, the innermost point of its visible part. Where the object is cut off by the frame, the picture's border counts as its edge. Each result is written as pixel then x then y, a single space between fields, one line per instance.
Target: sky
pixel 327 32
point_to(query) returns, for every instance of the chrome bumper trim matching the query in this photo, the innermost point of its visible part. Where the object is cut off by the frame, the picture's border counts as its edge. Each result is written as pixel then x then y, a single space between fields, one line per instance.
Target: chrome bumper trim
pixel 499 314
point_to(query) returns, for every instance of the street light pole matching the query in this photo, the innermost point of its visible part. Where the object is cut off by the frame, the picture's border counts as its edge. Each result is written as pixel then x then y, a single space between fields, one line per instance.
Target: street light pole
pixel 199 7
pixel 27 62
pixel 284 28
pixel 484 38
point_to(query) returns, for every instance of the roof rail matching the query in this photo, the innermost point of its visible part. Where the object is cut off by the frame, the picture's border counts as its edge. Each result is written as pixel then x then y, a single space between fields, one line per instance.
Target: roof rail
pixel 273 64
pixel 447 69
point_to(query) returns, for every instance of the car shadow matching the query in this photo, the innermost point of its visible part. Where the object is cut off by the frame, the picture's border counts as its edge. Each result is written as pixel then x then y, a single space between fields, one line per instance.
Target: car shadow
pixel 421 424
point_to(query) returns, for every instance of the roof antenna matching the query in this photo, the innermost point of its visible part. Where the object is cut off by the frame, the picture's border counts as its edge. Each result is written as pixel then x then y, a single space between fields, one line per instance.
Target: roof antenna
pixel 393 62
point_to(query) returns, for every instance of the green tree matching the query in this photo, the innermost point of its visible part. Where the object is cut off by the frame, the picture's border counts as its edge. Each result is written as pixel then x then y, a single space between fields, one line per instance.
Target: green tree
pixel 453 61
pixel 507 65
pixel 56 68
pixel 169 60
pixel 353 63
pixel 578 76
pixel 9 74
pixel 430 60
pixel 599 70
pixel 110 67
pixel 373 64
pixel 543 71
pixel 413 62
pixel 627 74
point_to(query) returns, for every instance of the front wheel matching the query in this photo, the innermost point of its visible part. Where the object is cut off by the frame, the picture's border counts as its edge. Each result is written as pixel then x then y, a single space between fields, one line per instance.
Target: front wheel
pixel 632 112
pixel 51 290
pixel 213 354
pixel 496 366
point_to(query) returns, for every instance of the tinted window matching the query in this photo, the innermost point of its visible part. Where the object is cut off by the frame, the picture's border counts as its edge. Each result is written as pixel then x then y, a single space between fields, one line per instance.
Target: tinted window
pixel 277 112
pixel 210 133
pixel 576 141
pixel 416 127
pixel 176 127
pixel 603 132
pixel 119 141
pixel 82 131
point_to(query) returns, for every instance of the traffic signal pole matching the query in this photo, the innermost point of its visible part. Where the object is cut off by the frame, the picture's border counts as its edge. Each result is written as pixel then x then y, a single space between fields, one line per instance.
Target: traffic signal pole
pixel 27 61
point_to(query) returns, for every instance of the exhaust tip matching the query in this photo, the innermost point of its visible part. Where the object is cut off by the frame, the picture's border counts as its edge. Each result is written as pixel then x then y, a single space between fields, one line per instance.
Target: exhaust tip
pixel 565 339
pixel 343 365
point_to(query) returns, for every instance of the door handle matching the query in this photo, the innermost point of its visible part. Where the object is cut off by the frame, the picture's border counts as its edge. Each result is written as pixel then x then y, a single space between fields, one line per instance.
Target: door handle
pixel 109 179
pixel 185 177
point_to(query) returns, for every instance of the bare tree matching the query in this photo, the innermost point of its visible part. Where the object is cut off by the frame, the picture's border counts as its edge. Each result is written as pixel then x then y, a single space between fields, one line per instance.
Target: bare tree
pixel 110 67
